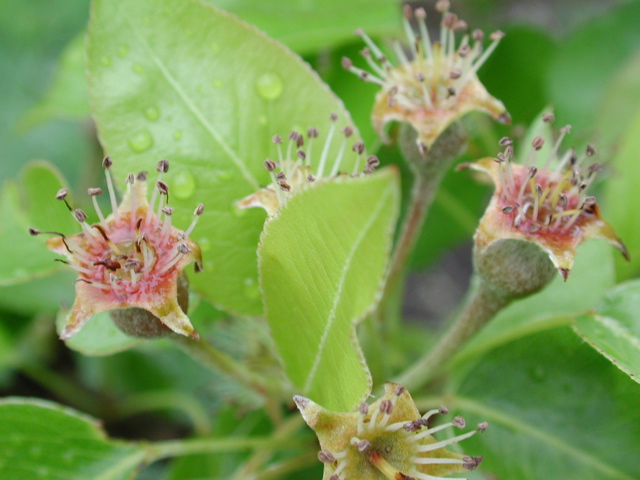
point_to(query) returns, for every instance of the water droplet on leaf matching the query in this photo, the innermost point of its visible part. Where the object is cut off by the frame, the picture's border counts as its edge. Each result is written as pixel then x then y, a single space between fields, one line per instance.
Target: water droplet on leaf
pixel 184 184
pixel 269 86
pixel 141 141
pixel 152 113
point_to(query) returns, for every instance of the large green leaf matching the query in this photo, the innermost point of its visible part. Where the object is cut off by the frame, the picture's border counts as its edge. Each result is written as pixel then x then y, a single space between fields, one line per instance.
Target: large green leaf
pixel 190 83
pixel 614 328
pixel 309 25
pixel 45 440
pixel 322 259
pixel 556 411
pixel 621 197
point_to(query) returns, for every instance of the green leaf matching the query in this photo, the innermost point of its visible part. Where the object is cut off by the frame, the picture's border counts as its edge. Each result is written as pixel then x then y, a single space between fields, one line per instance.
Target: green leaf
pixel 307 26
pixel 187 82
pixel 98 337
pixel 614 328
pixel 67 95
pixel 556 411
pixel 556 305
pixel 579 72
pixel 621 198
pixel 322 259
pixel 44 440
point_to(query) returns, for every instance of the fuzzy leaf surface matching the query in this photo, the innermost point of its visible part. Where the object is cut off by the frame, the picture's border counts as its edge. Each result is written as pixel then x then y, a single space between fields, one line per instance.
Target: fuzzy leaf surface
pixel 322 259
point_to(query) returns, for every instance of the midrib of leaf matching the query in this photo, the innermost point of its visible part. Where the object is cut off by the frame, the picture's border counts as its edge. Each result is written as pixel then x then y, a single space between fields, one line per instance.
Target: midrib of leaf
pixel 125 464
pixel 190 104
pixel 338 295
pixel 583 457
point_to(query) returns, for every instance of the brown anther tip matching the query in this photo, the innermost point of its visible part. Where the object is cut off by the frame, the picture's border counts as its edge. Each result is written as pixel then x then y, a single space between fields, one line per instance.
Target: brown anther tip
pixel 107 162
pixel 142 176
pixel 471 463
pixel 94 192
pixel 442 6
pixel 312 132
pixel 591 150
pixel 363 408
pixel 455 73
pixel 566 129
pixel 373 161
pixel 565 273
pixel 358 147
pixel 537 142
pixel 62 194
pixel 270 165
pixel 478 35
pixel 325 456
pixel 420 13
pixel 443 410
pixel 182 248
pixel 483 426
pixel 459 422
pixel 363 446
pixel 386 407
pixel 347 131
pixel 167 211
pixel 497 35
pixel 80 215
pixel 463 166
pixel 34 231
pixel 505 141
pixel 548 118
pixel 130 179
pixel 163 188
pixel 400 390
pixel 333 117
pixel 301 154
pixel 162 166
pixel 449 21
pixel 407 11
pixel 505 118
pixel 284 186
pixel 199 209
pixel 276 139
pixel 359 32
pixel 507 209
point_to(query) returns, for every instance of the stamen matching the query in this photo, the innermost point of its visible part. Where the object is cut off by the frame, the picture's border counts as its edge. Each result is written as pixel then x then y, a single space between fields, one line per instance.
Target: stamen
pixel 197 212
pixel 94 193
pixel 327 145
pixel 106 163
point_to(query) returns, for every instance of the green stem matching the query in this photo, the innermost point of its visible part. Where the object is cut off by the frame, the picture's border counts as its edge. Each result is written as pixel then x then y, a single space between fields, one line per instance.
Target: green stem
pixel 222 363
pixel 428 173
pixel 167 400
pixel 178 448
pixel 262 456
pixel 482 305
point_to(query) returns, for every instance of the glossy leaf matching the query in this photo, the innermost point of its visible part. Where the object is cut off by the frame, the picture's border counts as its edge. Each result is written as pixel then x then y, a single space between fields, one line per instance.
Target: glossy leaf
pixel 190 83
pixel 556 410
pixel 316 24
pixel 620 192
pixel 322 259
pixel 44 440
pixel 614 328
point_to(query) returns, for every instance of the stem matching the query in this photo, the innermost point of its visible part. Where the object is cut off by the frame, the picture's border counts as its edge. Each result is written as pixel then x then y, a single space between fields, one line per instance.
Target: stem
pixel 428 173
pixel 482 305
pixel 259 458
pixel 177 448
pixel 222 363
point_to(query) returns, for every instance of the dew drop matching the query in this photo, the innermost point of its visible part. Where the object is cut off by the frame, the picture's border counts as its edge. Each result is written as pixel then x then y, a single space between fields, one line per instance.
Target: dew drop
pixel 106 61
pixel 152 113
pixel 251 289
pixel 269 86
pixel 141 141
pixel 205 244
pixel 123 50
pixel 177 135
pixel 137 68
pixel 184 184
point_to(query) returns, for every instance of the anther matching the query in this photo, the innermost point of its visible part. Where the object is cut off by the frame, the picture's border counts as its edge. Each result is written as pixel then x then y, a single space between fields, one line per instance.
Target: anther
pixel 497 35
pixel 62 194
pixel 199 209
pixel 163 188
pixel 130 179
pixel 478 35
pixel 270 165
pixel 162 166
pixel 141 176
pixel 458 422
pixel 591 150
pixel 483 426
pixel 277 139
pixel 373 161
pixel 333 117
pixel 534 227
pixel 566 129
pixel 364 408
pixel 107 162
pixel 455 73
pixel 505 141
pixel 301 155
pixel 363 446
pixel 34 231
pixel 464 50
pixel 471 463
pixel 400 390
pixel 312 132
pixel 182 248
pixel 325 456
pixel 358 147
pixel 347 131
pixel 386 407
pixel 507 209
pixel 167 211
pixel 80 215
pixel 284 186
pixel 537 142
pixel 442 6
pixel 548 118
pixel 443 410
